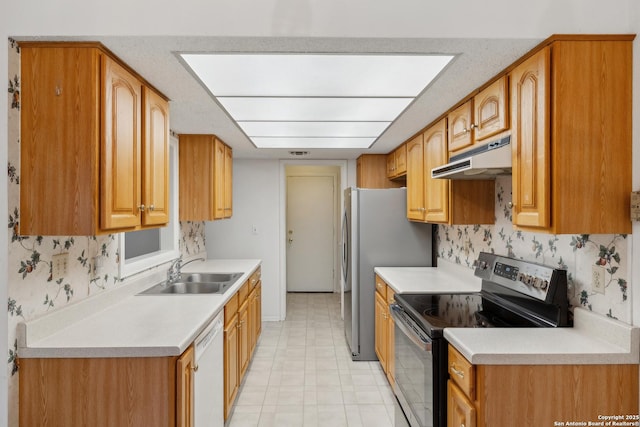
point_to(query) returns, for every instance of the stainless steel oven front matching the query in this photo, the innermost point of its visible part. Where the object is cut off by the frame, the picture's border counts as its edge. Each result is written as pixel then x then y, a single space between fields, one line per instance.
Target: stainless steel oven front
pixel 420 372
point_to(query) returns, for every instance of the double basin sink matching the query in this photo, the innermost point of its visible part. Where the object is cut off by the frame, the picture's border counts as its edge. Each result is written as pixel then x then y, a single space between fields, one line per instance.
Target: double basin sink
pixel 195 283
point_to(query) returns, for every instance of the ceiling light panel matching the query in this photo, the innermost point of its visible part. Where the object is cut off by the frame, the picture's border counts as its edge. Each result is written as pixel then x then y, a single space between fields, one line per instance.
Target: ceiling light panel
pixel 319 129
pixel 314 109
pixel 314 100
pixel 316 74
pixel 278 142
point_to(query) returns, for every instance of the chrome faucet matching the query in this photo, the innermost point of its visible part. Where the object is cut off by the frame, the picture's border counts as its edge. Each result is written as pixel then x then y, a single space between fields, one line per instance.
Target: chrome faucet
pixel 173 273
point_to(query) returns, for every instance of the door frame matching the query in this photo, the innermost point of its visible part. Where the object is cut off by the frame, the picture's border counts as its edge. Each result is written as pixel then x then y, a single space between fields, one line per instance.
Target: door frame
pixel 282 215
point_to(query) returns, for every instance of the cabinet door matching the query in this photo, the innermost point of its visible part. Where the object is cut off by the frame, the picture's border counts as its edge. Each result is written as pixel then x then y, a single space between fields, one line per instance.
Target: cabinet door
pixel 243 337
pixel 436 190
pixel 460 130
pixel 391 164
pixel 228 181
pixel 391 357
pixel 155 159
pixel 490 108
pixel 258 309
pixel 531 163
pixel 184 397
pixel 197 176
pixel 231 371
pixel 401 160
pixel 120 161
pixel 381 330
pixel 252 323
pixel 415 179
pixel 460 411
pixel 218 180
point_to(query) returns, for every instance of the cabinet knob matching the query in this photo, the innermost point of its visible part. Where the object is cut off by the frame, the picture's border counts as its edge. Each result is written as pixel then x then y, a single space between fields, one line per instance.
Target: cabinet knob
pixel 510 205
pixel 141 208
pixel 152 208
pixel 195 368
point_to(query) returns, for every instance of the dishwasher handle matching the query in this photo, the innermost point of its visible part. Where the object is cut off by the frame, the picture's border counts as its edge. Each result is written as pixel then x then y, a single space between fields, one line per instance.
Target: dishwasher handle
pixel 204 340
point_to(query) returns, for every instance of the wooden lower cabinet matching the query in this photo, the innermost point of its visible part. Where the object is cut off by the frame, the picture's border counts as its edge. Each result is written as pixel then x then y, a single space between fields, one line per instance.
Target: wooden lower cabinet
pixel 242 320
pixel 537 395
pixel 460 410
pixel 384 329
pixel 231 361
pixel 107 392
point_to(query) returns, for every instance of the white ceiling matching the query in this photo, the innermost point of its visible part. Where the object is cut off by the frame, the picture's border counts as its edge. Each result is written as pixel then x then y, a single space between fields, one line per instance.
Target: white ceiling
pixel 194 110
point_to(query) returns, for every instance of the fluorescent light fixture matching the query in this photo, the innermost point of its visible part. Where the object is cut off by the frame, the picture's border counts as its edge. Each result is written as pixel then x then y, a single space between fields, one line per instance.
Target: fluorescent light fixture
pixel 338 100
pixel 314 109
pixel 312 142
pixel 319 129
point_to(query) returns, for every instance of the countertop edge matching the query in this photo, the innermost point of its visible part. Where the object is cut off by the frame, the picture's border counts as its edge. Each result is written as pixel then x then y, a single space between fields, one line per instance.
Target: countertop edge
pixel 32 332
pixel 618 347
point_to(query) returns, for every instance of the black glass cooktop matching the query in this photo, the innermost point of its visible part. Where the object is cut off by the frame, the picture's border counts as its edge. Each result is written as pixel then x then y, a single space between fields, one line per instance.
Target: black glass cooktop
pixel 467 310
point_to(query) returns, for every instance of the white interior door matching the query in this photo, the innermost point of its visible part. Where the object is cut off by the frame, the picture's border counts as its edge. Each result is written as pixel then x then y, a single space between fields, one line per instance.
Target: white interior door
pixel 310 233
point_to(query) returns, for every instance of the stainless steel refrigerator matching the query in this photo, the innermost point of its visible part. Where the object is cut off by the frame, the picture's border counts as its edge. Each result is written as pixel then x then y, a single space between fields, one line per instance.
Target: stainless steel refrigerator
pixel 375 233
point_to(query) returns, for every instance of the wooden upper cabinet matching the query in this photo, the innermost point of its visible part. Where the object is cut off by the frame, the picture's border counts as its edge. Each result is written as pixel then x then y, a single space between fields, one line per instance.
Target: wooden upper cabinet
pixel 483 116
pixel 415 179
pixel 491 112
pixel 205 178
pixel 219 179
pixel 436 190
pixel 371 172
pixel 81 135
pixel 228 181
pixel 397 162
pixel 155 155
pixel 120 167
pixel 571 108
pixel 460 130
pixel 531 192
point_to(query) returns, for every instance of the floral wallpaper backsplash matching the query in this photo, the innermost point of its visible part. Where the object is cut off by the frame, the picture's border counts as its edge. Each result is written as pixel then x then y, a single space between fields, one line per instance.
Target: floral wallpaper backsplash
pixel 575 253
pixel 31 288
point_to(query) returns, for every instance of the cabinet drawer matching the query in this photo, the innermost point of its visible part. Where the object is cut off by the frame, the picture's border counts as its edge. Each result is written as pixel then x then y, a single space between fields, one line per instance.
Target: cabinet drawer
pixel 381 287
pixel 243 292
pixel 255 278
pixel 230 309
pixel 462 372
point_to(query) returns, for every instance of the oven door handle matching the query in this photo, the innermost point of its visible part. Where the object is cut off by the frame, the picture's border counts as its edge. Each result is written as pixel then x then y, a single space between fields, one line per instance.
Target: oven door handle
pixel 409 328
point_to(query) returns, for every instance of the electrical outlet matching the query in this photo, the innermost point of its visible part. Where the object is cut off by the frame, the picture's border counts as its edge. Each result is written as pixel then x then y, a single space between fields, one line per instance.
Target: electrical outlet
pixel 467 247
pixel 98 262
pixel 597 279
pixel 59 265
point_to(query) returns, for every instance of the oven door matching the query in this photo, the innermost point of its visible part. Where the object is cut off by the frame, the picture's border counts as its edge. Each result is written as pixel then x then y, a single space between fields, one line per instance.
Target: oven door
pixel 414 371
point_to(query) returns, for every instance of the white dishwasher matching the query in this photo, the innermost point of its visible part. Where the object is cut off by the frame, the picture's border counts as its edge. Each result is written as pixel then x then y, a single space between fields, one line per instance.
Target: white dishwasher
pixel 208 372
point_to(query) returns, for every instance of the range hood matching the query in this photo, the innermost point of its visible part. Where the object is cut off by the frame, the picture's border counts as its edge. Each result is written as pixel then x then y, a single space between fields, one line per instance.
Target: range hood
pixel 484 162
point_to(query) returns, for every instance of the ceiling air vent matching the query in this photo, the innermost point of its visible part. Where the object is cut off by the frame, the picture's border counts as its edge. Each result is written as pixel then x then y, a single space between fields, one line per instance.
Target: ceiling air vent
pixel 299 153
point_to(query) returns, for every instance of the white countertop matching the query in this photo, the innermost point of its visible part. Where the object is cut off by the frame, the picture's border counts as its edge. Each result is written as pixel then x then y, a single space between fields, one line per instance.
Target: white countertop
pixel 131 325
pixel 446 278
pixel 594 339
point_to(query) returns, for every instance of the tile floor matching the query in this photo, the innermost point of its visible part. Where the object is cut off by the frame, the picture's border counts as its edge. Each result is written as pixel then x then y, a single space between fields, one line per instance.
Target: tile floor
pixel 302 374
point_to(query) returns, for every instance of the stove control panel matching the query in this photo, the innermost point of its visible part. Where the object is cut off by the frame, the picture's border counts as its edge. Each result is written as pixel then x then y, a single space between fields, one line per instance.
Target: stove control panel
pixel 525 277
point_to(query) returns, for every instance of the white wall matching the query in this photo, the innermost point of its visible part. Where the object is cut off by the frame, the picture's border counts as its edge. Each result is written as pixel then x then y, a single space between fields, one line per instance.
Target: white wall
pixel 258 200
pixel 256 197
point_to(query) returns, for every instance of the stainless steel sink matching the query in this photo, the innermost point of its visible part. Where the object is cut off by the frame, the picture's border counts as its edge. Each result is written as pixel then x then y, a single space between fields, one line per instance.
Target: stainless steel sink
pixel 194 284
pixel 209 277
